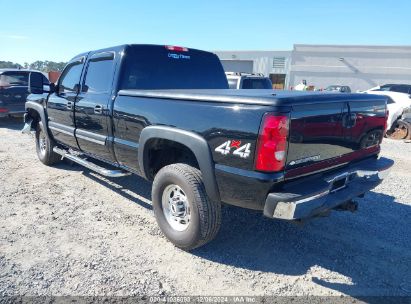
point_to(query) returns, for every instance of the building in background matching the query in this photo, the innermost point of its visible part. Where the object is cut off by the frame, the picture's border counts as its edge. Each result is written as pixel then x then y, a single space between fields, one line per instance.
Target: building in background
pixel 360 67
pixel 274 64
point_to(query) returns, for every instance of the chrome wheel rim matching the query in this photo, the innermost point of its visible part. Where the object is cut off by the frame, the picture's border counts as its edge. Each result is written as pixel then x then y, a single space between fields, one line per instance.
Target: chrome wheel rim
pixel 176 208
pixel 42 143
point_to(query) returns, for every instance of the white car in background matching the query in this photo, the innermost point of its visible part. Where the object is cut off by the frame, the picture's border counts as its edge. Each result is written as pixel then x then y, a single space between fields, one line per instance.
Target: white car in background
pixel 397 103
pixel 400 88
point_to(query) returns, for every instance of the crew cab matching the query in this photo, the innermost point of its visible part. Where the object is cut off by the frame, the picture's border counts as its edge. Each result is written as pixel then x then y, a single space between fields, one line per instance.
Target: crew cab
pixel 14 90
pixel 145 110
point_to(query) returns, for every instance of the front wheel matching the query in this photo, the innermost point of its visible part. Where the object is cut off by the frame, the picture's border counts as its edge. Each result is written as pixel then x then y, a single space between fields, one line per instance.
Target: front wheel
pixel 184 212
pixel 44 147
pixel 400 130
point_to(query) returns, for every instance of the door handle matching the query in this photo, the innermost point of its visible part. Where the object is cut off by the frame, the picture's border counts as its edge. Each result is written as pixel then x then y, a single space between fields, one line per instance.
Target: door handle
pixel 98 109
pixel 69 105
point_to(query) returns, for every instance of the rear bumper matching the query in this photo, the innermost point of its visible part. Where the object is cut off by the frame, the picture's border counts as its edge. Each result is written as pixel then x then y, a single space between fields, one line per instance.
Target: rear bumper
pixel 314 195
pixel 6 110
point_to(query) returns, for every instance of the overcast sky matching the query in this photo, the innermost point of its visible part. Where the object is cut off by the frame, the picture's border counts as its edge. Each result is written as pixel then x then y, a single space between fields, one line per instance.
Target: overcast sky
pixel 58 30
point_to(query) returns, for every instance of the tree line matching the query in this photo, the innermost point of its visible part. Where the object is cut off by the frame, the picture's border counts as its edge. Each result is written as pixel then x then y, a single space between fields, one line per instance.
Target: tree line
pixel 44 66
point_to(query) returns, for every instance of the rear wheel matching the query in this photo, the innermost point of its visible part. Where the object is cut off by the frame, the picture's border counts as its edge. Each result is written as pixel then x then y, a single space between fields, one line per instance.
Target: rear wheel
pixel 184 212
pixel 44 147
pixel 371 138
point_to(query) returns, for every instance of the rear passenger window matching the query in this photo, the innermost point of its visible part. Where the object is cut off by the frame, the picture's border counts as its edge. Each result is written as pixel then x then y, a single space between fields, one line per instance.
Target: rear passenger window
pixel 99 76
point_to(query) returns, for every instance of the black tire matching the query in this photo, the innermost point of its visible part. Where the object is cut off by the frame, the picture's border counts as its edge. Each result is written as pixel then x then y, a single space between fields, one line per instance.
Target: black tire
pixel 44 147
pixel 370 138
pixel 205 214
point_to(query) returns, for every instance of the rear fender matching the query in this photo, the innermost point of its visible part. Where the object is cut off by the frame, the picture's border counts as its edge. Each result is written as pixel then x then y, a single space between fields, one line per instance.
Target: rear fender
pixel 197 144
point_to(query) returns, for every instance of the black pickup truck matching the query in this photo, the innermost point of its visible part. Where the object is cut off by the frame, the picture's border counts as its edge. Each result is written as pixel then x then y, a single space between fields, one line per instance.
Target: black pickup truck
pixel 166 114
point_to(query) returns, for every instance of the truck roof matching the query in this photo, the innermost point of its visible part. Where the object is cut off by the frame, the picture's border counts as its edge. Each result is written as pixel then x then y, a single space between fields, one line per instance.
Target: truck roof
pixel 260 97
pixel 124 46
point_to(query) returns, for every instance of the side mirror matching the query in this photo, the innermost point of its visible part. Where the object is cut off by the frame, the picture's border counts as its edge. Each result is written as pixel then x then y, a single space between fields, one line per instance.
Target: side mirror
pixel 49 88
pixel 36 83
pixel 57 88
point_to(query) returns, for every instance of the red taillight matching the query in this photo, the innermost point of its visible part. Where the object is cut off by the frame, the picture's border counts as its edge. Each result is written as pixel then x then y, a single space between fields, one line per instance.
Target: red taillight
pixel 272 143
pixel 3 110
pixel 176 48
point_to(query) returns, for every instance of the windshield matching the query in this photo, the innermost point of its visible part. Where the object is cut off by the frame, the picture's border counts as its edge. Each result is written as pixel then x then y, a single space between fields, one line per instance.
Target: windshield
pixel 333 88
pixel 150 67
pixel 383 88
pixel 257 83
pixel 395 88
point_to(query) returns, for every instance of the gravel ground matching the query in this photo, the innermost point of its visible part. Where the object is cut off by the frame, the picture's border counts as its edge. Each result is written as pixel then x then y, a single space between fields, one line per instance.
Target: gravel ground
pixel 67 231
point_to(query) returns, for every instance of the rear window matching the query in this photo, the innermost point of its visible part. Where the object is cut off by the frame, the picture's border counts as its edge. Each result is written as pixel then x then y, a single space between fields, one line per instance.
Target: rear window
pixel 156 67
pixel 257 83
pixel 14 79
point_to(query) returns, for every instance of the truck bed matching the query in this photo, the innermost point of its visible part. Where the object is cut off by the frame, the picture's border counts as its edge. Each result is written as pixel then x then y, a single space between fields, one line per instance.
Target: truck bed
pixel 326 130
pixel 258 97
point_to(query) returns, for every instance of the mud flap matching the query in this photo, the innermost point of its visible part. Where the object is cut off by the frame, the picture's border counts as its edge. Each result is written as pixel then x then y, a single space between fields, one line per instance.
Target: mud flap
pixel 28 121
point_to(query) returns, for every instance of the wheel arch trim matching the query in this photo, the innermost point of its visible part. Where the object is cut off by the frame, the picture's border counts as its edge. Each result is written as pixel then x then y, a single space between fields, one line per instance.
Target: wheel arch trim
pixel 31 105
pixel 197 144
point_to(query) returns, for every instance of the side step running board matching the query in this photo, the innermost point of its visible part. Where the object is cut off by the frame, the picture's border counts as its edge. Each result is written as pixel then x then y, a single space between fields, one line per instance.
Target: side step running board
pixel 90 165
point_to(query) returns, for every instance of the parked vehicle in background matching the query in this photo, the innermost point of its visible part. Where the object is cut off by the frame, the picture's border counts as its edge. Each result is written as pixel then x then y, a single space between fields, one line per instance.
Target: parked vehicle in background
pixel 402 128
pixel 395 111
pixel 14 90
pixel 146 109
pixel 248 81
pixel 396 105
pixel 400 88
pixel 338 88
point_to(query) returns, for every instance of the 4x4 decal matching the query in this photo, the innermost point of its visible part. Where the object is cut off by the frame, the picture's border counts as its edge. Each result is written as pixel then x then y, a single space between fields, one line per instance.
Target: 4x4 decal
pixel 242 151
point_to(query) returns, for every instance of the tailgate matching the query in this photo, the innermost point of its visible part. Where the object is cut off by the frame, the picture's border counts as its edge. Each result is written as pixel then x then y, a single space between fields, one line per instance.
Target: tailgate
pixel 12 96
pixel 330 134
